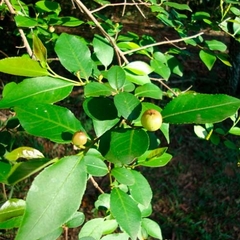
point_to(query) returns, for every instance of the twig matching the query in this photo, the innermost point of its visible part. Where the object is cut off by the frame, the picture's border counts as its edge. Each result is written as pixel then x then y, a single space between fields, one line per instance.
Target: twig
pixel 162 43
pixel 95 184
pixel 119 53
pixel 22 34
pixel 165 85
pixel 119 4
pixel 139 9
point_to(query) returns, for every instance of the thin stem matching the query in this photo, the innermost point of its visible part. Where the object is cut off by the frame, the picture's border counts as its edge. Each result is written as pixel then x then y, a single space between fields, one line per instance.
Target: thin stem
pixel 95 184
pixel 22 34
pixel 162 43
pixel 90 15
pixel 4 191
pixel 165 85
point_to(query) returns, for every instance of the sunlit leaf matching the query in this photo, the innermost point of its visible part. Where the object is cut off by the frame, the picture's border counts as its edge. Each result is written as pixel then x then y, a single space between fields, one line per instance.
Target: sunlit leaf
pixel 63 191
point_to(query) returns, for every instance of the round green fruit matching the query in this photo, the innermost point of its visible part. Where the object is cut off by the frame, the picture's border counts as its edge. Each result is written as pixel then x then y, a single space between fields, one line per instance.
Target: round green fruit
pixel 151 120
pixel 79 138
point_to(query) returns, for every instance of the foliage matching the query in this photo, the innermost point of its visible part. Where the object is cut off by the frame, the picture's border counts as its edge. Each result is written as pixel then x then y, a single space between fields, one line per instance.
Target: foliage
pixel 116 92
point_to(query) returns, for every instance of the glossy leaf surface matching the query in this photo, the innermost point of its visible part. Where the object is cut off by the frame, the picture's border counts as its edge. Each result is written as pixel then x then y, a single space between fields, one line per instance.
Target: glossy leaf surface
pixel 200 108
pixel 126 212
pixel 49 121
pixel 69 180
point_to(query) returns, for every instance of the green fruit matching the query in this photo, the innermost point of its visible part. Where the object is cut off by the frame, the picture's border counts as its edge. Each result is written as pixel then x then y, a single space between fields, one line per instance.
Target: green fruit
pixel 151 120
pixel 79 138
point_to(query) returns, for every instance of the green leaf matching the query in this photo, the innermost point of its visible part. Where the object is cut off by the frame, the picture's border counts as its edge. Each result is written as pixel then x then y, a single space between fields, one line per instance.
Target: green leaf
pixel 156 161
pixel 149 90
pixel 63 185
pixel 11 223
pixel 128 105
pixel 161 69
pixel 40 89
pixel 54 234
pixel 109 226
pixel 39 51
pixel 48 6
pixel 92 228
pixel 103 50
pixel 123 175
pixel 5 169
pixel 200 131
pixel 116 77
pixel 12 208
pixel 216 45
pixel 200 108
pixel 235 131
pixel 126 212
pixel 178 6
pixel 96 89
pixel 139 80
pixel 100 127
pixel 116 236
pixel 23 170
pixel 49 121
pixel 76 220
pixel 67 21
pixel 208 58
pixel 26 22
pixel 152 228
pixel 103 201
pixel 100 108
pixel 174 65
pixel 95 166
pixel 139 68
pixel 124 145
pixel 23 152
pixel 22 66
pixel 74 55
pixel 141 190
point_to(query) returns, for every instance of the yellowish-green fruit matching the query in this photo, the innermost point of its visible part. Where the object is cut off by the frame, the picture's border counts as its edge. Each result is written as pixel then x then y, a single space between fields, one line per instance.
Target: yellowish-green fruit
pixel 151 120
pixel 79 138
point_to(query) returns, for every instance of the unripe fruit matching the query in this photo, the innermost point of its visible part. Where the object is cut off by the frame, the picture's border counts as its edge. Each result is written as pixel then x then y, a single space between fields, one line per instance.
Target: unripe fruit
pixel 79 138
pixel 151 120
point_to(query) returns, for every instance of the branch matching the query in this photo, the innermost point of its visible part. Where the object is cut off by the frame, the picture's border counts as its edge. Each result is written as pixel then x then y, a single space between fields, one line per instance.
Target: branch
pixel 162 43
pixel 119 53
pixel 22 34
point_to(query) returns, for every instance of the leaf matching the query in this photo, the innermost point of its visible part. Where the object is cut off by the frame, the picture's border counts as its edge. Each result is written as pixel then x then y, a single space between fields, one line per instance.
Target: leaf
pixel 174 65
pixel 200 108
pixel 116 236
pixel 139 80
pixel 40 89
pixel 23 170
pixel 11 223
pixel 74 55
pixel 96 89
pixel 92 228
pixel 123 175
pixel 178 6
pixel 49 121
pixel 126 212
pixel 5 169
pixel 103 201
pixel 39 51
pixel 116 77
pixel 95 166
pixel 152 228
pixel 12 208
pixel 208 58
pixel 63 185
pixel 76 220
pixel 139 68
pixel 149 90
pixel 124 145
pixel 100 108
pixel 22 66
pixel 24 21
pixel 161 69
pixel 23 152
pixel 48 6
pixel 200 131
pixel 235 131
pixel 109 226
pixel 100 127
pixel 141 190
pixel 103 50
pixel 216 45
pixel 128 105
pixel 157 161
